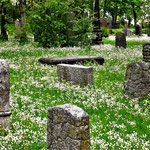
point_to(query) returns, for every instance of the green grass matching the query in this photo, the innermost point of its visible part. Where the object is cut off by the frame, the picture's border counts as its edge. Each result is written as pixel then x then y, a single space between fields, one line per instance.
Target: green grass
pixel 115 123
pixel 130 44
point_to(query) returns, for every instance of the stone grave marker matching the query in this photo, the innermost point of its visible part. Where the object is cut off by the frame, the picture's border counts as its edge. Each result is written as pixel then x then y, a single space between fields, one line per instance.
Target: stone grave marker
pixel 129 33
pixel 137 78
pixel 146 52
pixel 76 74
pixel 120 39
pixel 104 22
pixel 67 128
pixel 148 32
pixel 124 30
pixel 71 60
pixel 17 27
pixel 138 30
pixel 4 95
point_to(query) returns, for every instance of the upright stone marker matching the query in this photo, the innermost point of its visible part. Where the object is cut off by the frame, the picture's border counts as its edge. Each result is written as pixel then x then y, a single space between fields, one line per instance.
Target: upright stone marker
pixel 138 30
pixel 148 32
pixel 124 30
pixel 104 22
pixel 67 128
pixel 77 74
pixel 137 80
pixel 120 39
pixel 4 95
pixel 18 30
pixel 146 52
pixel 129 33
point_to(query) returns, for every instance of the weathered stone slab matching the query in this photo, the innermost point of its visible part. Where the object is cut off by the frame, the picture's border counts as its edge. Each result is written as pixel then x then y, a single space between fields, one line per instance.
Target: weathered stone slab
pixel 146 52
pixel 137 80
pixel 67 128
pixel 138 30
pixel 76 74
pixel 120 39
pixel 4 94
pixel 71 60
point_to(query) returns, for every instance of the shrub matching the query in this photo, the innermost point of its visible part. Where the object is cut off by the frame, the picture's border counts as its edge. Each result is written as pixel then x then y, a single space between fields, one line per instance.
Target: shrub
pixel 56 23
pixel 105 31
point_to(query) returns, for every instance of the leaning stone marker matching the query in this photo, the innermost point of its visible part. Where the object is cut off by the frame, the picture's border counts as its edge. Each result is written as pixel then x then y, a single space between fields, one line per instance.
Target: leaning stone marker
pixel 71 60
pixel 4 95
pixel 67 128
pixel 137 79
pixel 138 30
pixel 120 39
pixel 77 74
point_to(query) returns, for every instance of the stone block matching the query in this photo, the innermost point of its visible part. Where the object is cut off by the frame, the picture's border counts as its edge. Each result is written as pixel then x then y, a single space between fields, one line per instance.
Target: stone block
pixel 124 30
pixel 4 94
pixel 17 28
pixel 71 60
pixel 138 30
pixel 68 133
pixel 137 80
pixel 120 39
pixel 129 33
pixel 76 74
pixel 146 52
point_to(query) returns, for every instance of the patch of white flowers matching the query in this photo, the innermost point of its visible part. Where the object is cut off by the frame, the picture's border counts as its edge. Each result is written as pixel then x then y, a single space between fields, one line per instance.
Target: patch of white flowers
pixel 36 88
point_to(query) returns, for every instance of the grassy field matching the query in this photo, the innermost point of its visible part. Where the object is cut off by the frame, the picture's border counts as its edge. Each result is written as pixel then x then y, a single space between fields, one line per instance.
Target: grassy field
pixel 115 123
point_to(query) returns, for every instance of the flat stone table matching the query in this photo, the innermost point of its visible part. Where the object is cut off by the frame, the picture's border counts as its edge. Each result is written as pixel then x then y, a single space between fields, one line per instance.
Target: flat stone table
pixel 71 60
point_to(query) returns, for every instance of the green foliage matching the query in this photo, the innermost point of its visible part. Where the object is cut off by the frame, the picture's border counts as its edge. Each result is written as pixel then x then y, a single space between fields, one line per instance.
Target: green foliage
pixel 105 31
pixel 55 23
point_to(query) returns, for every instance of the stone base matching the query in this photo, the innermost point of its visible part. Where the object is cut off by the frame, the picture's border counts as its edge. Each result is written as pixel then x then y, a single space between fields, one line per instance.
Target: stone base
pixel 5 120
pixel 137 80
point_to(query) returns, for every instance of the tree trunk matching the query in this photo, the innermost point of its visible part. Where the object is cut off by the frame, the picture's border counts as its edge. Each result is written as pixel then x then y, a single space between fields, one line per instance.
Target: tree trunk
pixel 116 14
pixel 23 19
pixel 134 14
pixel 104 15
pixel 4 35
pixel 129 22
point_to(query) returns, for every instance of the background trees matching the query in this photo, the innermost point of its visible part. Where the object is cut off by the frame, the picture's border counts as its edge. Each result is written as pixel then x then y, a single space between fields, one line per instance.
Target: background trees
pixel 124 11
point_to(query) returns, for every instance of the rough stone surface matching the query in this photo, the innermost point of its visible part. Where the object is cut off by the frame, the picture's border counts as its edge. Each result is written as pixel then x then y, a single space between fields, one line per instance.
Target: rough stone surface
pixel 104 22
pixel 138 30
pixel 4 93
pixel 120 39
pixel 75 73
pixel 146 52
pixel 67 128
pixel 4 86
pixel 17 26
pixel 148 32
pixel 71 60
pixel 129 33
pixel 124 30
pixel 137 80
